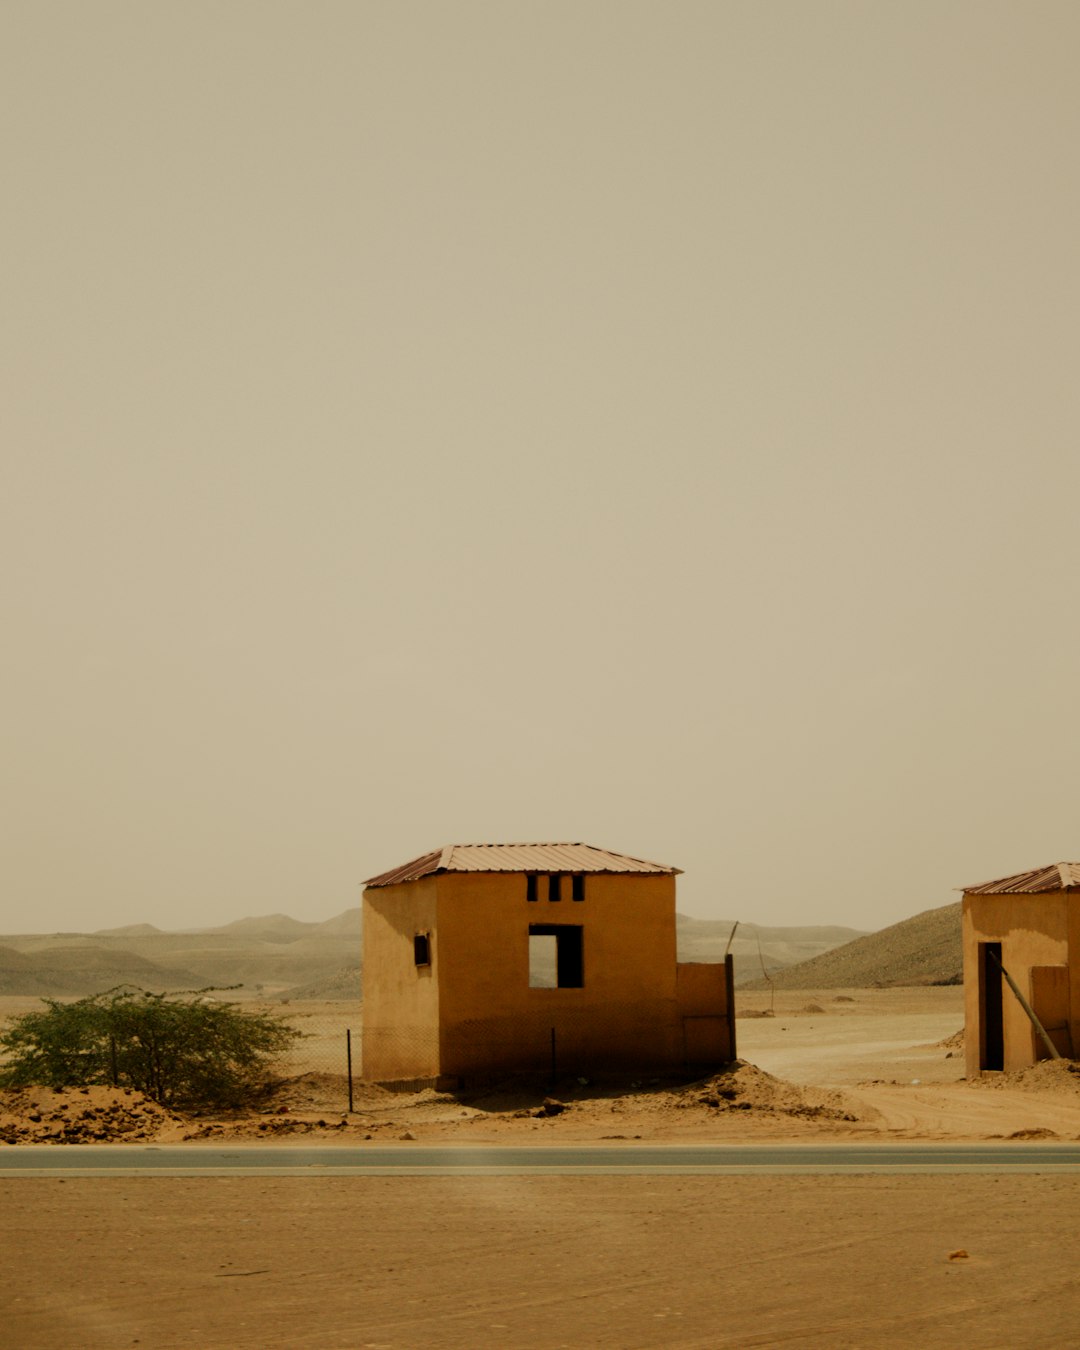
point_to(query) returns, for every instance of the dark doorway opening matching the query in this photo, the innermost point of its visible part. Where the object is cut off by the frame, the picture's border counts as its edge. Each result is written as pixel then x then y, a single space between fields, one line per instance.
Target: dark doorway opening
pixel 569 953
pixel 991 1035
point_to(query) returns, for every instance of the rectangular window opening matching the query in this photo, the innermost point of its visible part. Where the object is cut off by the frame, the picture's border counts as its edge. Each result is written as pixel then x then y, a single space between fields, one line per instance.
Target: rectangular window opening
pixel 554 886
pixel 530 888
pixel 578 886
pixel 556 956
pixel 421 944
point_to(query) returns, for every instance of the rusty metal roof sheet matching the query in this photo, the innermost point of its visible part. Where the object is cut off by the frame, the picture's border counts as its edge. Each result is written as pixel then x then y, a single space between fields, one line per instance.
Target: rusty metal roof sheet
pixel 518 858
pixel 1064 876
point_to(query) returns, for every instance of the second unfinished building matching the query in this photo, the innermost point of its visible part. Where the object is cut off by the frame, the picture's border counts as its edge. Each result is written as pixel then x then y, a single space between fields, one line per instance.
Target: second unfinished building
pixel 1027 925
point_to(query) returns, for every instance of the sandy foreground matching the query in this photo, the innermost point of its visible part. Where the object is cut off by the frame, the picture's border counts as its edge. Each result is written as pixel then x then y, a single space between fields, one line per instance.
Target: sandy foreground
pixel 540 1262
pixel 576 1261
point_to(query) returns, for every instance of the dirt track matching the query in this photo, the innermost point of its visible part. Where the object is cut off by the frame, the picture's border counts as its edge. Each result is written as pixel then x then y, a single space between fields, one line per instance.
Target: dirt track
pixel 254 1264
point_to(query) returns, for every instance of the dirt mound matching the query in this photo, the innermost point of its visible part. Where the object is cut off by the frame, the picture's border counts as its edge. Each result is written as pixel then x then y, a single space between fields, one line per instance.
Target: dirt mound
pixel 82 1116
pixel 924 949
pixel 745 1087
pixel 1048 1075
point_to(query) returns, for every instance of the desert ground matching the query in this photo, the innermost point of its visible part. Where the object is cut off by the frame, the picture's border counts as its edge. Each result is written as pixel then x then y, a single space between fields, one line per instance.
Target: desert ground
pixel 542 1261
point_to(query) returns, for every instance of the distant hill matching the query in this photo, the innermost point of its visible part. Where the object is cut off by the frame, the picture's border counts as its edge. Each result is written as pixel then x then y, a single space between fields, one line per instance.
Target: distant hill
pixel 129 930
pixel 344 985
pixel 265 955
pixel 267 927
pixel 81 971
pixel 707 940
pixel 924 949
pixel 348 924
pixel 274 955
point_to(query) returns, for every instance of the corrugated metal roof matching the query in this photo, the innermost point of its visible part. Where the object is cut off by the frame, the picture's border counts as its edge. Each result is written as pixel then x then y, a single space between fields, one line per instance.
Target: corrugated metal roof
pixel 1064 876
pixel 517 858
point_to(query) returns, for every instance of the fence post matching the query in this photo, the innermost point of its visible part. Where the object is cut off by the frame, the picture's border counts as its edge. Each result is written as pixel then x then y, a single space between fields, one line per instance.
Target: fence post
pixel 348 1057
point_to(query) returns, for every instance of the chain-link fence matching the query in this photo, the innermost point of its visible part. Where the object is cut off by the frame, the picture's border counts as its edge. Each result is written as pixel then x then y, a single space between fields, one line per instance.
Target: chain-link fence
pixel 328 1053
pixel 323 1068
pixel 557 1040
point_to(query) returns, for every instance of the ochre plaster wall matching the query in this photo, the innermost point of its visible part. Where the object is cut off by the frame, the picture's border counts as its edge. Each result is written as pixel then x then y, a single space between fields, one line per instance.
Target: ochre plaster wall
pixel 1033 931
pixel 1072 928
pixel 472 1012
pixel 1050 999
pixel 708 1030
pixel 401 999
pixel 626 1014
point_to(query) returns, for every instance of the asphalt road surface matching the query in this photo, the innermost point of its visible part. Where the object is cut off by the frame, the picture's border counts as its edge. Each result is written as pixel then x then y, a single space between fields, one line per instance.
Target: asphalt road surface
pixel 104 1160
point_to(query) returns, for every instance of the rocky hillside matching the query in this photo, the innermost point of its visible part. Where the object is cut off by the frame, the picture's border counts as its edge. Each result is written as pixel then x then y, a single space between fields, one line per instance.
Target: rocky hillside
pixel 924 949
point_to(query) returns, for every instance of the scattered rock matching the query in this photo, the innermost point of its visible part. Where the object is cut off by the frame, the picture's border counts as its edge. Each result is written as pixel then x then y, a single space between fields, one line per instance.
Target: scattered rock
pixel 551 1106
pixel 37 1116
pixel 1048 1075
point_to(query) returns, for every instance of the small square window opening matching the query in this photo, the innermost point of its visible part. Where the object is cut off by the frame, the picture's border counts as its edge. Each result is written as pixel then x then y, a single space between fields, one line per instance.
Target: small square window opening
pixel 422 949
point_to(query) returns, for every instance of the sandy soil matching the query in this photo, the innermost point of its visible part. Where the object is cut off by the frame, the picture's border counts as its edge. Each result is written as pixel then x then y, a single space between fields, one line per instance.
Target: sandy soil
pixel 395 1263
pixel 540 1262
pixel 871 1064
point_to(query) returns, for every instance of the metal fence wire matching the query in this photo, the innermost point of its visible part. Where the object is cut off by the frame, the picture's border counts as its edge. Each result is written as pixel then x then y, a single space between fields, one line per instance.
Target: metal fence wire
pixel 325 1032
pixel 325 1063
pixel 613 1038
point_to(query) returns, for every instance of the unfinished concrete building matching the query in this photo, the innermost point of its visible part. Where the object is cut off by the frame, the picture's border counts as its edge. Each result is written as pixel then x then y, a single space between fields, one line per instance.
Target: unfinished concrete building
pixel 1026 927
pixel 482 959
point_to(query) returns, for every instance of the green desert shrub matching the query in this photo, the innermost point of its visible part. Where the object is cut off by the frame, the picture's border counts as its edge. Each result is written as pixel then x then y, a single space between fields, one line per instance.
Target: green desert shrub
pixel 184 1050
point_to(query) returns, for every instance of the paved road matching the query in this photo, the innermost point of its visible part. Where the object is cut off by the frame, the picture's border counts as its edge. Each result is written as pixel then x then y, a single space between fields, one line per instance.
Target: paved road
pixel 555 1160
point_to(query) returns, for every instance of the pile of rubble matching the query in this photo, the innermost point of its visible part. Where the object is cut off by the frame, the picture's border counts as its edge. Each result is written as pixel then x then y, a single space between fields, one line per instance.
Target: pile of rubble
pixel 96 1115
pixel 744 1087
pixel 1046 1075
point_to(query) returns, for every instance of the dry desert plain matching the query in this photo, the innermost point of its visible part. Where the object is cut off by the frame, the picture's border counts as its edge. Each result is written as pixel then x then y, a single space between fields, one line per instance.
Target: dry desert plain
pixel 550 1261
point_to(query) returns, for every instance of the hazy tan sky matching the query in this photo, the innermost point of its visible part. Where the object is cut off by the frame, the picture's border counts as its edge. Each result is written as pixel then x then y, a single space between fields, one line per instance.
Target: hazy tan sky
pixel 653 424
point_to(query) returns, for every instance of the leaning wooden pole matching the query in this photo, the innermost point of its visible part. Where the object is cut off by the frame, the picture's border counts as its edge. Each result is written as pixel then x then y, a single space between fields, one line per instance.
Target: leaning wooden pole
pixel 1054 1054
